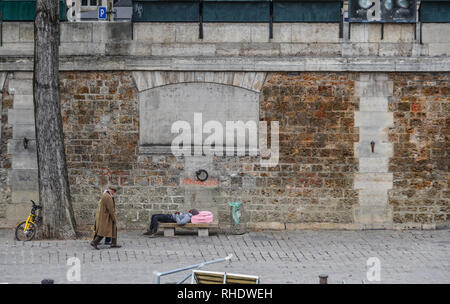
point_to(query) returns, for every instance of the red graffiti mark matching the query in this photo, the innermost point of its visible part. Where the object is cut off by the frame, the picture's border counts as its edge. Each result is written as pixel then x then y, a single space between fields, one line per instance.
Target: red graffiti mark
pixel 191 181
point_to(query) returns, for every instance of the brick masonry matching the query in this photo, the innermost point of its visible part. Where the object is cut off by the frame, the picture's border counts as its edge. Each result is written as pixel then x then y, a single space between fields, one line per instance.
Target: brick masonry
pixel 420 104
pixel 313 185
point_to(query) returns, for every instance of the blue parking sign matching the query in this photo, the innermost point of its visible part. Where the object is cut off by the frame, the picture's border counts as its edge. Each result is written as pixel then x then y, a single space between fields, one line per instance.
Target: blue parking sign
pixel 101 12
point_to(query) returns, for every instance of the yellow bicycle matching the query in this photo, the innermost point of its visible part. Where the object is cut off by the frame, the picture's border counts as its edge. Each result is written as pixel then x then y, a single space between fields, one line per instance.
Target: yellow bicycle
pixel 26 230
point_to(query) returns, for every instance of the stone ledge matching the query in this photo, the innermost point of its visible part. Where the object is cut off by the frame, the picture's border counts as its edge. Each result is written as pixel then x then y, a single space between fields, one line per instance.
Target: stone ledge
pixel 302 226
pixel 241 64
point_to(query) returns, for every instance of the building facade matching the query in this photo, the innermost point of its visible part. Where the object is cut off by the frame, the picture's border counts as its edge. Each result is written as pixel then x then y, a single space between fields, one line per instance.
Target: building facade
pixel 362 109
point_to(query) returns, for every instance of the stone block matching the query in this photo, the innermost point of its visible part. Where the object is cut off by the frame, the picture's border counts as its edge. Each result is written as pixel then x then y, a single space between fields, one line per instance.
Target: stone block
pixel 258 82
pixel 365 32
pixel 14 214
pixel 315 32
pixel 282 32
pixel 395 49
pixel 86 49
pixel 23 180
pixel 2 80
pixel 228 49
pixel 169 231
pixel 183 49
pixel 259 32
pixel 143 80
pixel 374 164
pixel 77 31
pixel 20 116
pixel 373 181
pixel 310 49
pixel 187 33
pixel 398 32
pixel 439 49
pixel 435 33
pixel 17 49
pixel 364 149
pixel 154 32
pixel 260 49
pixel 374 88
pixel 373 104
pixel 330 226
pixel 203 232
pixel 26 32
pixel 10 32
pixel 21 86
pixel 375 120
pixel 373 197
pixel 24 196
pixel 373 217
pixel 16 148
pixel 112 31
pixel 267 225
pixel 24 162
pixel 226 32
pixel 24 131
pixel 23 75
pixel 23 101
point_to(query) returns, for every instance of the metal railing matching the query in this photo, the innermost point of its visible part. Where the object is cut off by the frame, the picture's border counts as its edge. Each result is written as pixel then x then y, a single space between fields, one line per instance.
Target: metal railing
pixel 196 266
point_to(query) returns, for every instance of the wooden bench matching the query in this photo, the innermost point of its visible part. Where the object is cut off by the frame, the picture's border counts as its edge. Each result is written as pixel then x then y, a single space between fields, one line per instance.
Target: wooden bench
pixel 203 228
pixel 212 277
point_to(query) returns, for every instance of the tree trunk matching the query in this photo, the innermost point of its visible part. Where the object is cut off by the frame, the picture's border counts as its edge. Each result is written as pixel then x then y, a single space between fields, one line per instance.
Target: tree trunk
pixel 54 193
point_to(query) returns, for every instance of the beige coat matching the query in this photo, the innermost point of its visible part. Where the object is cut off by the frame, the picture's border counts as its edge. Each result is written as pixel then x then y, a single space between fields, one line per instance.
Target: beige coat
pixel 105 219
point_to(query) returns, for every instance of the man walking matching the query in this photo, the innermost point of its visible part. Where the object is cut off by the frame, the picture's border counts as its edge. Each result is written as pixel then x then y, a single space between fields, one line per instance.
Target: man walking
pixel 177 217
pixel 106 220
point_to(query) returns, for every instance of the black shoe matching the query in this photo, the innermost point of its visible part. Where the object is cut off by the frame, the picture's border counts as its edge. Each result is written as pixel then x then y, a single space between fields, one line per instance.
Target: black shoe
pixel 148 232
pixel 94 244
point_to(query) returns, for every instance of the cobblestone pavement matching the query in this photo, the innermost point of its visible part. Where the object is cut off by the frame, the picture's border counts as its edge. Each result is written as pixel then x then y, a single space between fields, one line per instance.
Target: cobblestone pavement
pixel 278 257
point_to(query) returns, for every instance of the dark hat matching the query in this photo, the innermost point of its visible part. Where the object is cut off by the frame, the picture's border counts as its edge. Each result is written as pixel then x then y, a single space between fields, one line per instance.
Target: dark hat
pixel 194 211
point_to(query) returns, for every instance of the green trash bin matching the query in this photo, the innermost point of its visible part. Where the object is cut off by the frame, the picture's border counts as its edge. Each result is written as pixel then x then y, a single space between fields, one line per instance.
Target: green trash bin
pixel 238 223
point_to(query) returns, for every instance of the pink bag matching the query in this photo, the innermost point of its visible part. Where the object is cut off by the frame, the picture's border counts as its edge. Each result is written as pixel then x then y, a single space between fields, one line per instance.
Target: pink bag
pixel 202 217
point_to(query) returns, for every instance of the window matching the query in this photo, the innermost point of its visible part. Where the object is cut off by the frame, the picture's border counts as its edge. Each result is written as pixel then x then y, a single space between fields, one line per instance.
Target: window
pixel 88 2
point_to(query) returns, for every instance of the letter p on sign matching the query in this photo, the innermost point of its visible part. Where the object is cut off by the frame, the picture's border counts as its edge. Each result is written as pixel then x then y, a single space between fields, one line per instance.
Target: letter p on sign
pixel 102 13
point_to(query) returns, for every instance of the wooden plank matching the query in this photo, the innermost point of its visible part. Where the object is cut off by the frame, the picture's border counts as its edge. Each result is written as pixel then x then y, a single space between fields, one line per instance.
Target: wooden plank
pixel 243 281
pixel 217 278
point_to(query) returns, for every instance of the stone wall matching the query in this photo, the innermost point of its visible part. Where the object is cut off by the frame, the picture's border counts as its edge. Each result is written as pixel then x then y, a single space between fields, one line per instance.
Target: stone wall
pixel 317 161
pixel 420 137
pixel 312 183
pixel 235 47
pixel 5 159
pixel 319 181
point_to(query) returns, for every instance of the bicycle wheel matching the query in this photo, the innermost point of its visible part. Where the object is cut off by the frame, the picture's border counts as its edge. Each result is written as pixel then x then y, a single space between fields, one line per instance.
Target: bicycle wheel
pixel 238 222
pixel 25 235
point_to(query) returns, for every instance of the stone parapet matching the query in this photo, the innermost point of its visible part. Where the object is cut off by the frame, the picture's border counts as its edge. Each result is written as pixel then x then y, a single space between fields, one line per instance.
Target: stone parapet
pixel 176 46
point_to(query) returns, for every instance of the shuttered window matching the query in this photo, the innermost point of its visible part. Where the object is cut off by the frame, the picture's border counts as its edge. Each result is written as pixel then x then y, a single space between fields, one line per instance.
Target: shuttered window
pixel 20 10
pixel 434 11
pixel 236 11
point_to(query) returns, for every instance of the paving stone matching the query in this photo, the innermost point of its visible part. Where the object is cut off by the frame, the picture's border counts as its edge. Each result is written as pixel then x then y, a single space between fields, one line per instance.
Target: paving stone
pixel 278 257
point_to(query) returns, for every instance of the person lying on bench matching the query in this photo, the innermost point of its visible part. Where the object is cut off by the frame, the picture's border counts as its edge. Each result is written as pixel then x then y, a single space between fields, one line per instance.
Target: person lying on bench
pixel 177 217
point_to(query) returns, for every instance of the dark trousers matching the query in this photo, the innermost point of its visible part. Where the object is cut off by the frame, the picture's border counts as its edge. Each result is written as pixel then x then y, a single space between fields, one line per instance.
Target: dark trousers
pixel 108 240
pixel 163 218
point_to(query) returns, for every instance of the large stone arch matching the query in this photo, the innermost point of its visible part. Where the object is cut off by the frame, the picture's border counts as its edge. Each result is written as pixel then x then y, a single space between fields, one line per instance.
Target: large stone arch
pixel 167 97
pixel 252 81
